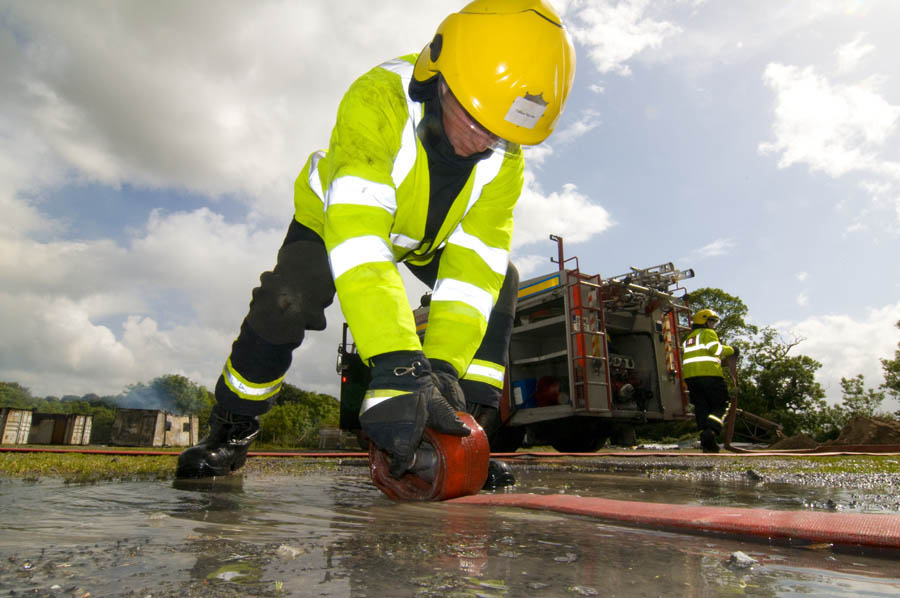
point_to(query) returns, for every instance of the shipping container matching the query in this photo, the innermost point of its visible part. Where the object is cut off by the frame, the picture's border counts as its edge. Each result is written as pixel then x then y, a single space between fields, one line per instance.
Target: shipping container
pixel 15 425
pixel 60 428
pixel 150 427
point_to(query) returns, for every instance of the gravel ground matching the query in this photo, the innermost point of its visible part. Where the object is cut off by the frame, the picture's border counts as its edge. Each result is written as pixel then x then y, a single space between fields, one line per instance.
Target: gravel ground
pixel 872 479
pixel 870 482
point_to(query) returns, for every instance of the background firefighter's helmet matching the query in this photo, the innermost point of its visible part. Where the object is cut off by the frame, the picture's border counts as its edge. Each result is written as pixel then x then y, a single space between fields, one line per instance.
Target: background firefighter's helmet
pixel 704 315
pixel 510 63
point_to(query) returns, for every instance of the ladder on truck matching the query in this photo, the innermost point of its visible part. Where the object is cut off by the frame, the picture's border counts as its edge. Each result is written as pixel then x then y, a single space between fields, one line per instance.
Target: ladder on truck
pixel 672 343
pixel 586 342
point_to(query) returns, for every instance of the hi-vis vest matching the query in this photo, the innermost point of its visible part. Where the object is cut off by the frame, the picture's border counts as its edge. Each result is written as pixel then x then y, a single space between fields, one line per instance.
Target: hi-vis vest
pixel 703 353
pixel 368 199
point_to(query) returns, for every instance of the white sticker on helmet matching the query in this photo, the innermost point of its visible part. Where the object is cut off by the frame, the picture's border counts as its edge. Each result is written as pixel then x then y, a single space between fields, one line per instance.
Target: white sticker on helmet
pixel 526 111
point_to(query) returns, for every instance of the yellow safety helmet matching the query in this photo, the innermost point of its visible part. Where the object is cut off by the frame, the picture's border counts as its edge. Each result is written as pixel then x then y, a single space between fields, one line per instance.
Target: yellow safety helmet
pixel 704 315
pixel 510 63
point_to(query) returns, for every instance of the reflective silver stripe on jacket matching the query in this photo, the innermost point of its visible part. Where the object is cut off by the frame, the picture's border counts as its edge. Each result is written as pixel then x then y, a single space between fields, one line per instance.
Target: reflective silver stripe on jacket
pixel 702 358
pixel 249 390
pixel 448 289
pixel 357 251
pixel 496 259
pixel 406 157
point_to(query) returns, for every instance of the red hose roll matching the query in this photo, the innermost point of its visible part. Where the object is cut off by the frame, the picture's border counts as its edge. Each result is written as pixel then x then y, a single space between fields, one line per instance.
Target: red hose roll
pixel 461 467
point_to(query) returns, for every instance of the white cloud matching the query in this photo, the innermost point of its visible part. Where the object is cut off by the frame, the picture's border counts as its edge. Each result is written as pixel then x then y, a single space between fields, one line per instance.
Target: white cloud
pixel 850 54
pixel 193 271
pixel 718 247
pixel 882 211
pixel 567 213
pixel 848 345
pixel 840 129
pixel 802 300
pixel 707 38
pixel 801 276
pixel 586 122
pixel 63 302
pixel 104 90
pixel 166 97
pixel 615 32
pixel 537 155
pixel 530 265
pixel 832 128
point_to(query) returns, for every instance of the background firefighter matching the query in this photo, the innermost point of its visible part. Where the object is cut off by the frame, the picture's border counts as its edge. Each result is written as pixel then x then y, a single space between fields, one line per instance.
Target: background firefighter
pixel 702 358
pixel 424 166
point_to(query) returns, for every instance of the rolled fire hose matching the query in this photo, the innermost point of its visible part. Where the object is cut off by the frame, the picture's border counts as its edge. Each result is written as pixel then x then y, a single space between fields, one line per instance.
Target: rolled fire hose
pixel 445 466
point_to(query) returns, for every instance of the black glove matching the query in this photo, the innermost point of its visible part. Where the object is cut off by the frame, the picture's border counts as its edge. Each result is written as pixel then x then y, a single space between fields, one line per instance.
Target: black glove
pixel 401 401
pixel 737 352
pixel 446 380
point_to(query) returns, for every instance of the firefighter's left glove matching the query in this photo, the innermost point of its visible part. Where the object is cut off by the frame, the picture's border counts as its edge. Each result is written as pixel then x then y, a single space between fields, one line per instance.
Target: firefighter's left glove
pixel 447 381
pixel 400 402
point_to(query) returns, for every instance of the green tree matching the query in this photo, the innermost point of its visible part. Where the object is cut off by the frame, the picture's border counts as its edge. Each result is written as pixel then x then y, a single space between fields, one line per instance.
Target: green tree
pixel 859 400
pixel 287 425
pixel 778 386
pixel 774 381
pixel 297 417
pixel 732 311
pixel 101 423
pixel 187 397
pixel 15 396
pixel 891 369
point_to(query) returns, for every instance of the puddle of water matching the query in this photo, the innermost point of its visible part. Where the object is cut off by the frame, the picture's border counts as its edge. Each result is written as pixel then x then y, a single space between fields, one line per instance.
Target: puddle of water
pixel 636 486
pixel 334 534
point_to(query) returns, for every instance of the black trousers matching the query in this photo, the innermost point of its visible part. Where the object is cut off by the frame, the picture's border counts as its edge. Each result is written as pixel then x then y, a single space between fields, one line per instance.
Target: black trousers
pixel 291 299
pixel 709 396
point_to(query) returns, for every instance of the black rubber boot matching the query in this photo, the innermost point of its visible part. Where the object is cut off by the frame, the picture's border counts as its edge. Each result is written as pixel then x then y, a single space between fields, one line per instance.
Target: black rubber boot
pixel 223 450
pixel 708 441
pixel 499 473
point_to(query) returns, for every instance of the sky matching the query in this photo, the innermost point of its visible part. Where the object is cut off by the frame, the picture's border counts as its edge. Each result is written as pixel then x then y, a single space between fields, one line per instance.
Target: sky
pixel 148 153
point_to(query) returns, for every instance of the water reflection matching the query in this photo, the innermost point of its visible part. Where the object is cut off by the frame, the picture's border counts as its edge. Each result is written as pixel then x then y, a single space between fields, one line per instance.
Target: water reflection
pixel 334 534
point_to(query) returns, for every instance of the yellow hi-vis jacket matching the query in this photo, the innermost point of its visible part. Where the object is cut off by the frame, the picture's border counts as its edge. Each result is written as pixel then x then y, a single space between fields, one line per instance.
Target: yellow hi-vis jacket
pixel 368 199
pixel 703 353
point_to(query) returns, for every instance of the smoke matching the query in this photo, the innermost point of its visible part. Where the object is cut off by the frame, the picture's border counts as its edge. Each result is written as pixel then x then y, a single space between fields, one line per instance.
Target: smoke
pixel 141 396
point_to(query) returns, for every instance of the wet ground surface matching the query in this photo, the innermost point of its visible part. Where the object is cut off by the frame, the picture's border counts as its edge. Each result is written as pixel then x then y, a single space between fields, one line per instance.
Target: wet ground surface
pixel 796 482
pixel 274 531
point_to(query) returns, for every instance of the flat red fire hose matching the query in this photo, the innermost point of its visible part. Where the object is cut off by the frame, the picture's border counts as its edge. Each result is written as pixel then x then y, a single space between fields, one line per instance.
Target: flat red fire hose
pixel 795 527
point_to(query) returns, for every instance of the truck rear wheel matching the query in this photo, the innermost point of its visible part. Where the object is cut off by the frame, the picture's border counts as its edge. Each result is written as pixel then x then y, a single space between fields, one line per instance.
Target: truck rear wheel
pixel 586 444
pixel 578 436
pixel 507 439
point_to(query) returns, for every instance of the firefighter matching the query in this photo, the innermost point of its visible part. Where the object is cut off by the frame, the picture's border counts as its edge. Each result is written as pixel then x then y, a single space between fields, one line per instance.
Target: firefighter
pixel 702 355
pixel 424 166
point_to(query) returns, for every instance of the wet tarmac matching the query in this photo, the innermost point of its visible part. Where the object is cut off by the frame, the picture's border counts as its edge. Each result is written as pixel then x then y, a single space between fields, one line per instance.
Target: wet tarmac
pixel 331 533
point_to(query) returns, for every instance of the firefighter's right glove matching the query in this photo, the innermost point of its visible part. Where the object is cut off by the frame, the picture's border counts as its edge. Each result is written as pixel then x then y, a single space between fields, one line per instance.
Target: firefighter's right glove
pixel 401 401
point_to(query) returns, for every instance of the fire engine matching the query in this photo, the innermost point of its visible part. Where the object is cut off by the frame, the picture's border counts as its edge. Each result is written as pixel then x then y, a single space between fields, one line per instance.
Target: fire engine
pixel 589 358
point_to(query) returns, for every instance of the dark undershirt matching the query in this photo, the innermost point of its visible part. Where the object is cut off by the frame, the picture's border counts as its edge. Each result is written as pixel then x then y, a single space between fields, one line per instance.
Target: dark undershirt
pixel 448 172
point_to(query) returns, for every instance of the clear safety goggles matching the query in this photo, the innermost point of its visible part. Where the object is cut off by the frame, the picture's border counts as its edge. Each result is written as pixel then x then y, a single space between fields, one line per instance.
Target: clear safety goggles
pixel 464 122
